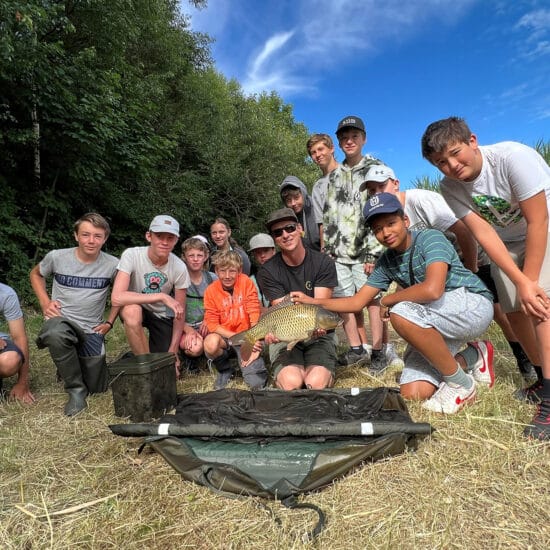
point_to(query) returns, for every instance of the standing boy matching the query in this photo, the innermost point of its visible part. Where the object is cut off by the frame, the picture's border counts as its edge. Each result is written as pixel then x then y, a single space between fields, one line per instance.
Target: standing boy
pixel 14 347
pixel 146 278
pixel 502 193
pixel 440 306
pixel 74 330
pixel 345 235
pixel 231 305
pixel 311 363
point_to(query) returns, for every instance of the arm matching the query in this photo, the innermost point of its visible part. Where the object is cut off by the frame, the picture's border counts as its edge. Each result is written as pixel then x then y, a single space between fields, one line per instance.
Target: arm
pixel 50 308
pixel 467 244
pixel 20 390
pixel 121 296
pixel 533 299
pixel 432 288
pixel 179 323
pixel 351 304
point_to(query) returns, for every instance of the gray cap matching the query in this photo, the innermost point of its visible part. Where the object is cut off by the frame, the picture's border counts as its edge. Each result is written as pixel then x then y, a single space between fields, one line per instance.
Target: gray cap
pixel 165 224
pixel 378 173
pixel 261 240
pixel 280 215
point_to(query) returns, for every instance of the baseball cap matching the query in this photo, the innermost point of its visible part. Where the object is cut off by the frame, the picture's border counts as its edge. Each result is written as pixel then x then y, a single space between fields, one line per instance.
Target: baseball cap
pixel 261 240
pixel 381 203
pixel 279 215
pixel 351 121
pixel 378 173
pixel 165 224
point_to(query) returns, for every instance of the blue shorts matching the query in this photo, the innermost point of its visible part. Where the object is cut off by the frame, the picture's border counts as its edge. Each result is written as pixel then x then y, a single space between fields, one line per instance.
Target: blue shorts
pixel 459 316
pixel 10 346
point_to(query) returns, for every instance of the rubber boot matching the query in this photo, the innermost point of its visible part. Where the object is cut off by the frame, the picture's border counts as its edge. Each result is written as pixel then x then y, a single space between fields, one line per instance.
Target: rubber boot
pixel 62 339
pixel 94 373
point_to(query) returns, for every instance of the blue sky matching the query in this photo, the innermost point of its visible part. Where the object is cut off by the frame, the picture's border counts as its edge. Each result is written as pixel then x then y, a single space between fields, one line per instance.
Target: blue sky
pixel 398 65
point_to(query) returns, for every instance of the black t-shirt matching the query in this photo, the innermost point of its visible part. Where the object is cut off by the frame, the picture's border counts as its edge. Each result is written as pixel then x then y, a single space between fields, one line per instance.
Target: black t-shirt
pixel 276 278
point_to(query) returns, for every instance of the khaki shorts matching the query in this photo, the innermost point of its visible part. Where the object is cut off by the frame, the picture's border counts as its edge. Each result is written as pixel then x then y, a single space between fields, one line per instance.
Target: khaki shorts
pixel 506 290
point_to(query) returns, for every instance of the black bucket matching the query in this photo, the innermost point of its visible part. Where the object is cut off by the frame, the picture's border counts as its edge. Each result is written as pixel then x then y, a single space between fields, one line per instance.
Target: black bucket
pixel 144 386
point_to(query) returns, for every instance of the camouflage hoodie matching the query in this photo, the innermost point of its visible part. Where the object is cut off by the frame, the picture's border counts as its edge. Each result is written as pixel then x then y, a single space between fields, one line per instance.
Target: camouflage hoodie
pixel 344 227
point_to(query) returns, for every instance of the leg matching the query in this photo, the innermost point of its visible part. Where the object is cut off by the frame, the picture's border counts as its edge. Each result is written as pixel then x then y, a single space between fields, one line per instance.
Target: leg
pixel 319 358
pixel 63 341
pixel 132 316
pixel 290 378
pixel 216 350
pixel 318 378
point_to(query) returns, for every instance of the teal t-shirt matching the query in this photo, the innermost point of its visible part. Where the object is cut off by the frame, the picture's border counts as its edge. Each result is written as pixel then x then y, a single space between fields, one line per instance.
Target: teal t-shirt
pixel 430 245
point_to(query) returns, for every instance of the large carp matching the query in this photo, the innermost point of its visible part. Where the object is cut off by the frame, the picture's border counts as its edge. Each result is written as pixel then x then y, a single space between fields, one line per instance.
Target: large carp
pixel 290 323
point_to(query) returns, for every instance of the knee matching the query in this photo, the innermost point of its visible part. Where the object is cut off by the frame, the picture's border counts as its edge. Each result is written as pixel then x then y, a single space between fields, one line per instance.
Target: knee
pixel 289 380
pixel 10 363
pixel 212 344
pixel 132 316
pixel 418 391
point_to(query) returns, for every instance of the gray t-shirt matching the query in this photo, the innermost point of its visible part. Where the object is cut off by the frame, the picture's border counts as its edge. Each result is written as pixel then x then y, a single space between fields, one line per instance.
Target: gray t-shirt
pixel 82 289
pixel 9 306
pixel 147 278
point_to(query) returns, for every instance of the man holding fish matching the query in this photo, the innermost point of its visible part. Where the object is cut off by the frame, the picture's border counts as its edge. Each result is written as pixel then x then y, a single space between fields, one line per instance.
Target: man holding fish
pixel 308 363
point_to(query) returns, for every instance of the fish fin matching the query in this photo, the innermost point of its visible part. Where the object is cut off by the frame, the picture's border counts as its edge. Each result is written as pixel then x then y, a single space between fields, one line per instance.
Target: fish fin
pixel 290 345
pixel 246 350
pixel 238 339
pixel 285 302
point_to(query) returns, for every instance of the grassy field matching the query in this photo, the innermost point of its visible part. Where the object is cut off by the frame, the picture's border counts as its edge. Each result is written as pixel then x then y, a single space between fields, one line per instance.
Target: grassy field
pixel 70 483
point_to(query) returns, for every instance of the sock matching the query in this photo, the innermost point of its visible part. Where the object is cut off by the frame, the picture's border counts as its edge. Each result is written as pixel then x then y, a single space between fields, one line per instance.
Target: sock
pixel 459 378
pixel 545 392
pixel 357 349
pixel 517 350
pixel 538 370
pixel 470 355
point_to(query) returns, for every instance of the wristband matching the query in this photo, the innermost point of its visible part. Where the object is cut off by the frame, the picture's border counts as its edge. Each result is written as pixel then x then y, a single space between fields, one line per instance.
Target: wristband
pixel 108 323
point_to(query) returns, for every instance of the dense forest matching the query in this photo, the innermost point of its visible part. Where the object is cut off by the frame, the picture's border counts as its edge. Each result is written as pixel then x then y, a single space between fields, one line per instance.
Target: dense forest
pixel 116 107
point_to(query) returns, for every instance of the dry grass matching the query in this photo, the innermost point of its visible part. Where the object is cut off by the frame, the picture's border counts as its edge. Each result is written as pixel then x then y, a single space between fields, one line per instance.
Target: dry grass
pixel 475 484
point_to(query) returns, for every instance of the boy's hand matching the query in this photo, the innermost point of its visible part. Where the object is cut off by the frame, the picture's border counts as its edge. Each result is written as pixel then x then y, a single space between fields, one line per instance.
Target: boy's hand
pixel 300 298
pixel 270 338
pixel 253 356
pixel 534 301
pixel 174 305
pixel 21 392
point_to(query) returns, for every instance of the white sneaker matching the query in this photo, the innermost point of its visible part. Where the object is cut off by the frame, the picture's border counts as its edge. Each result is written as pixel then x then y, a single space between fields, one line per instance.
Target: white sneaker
pixel 483 370
pixel 450 399
pixel 392 357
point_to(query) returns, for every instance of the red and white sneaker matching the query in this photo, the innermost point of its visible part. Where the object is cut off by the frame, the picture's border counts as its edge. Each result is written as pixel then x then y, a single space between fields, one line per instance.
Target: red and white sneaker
pixel 450 399
pixel 483 370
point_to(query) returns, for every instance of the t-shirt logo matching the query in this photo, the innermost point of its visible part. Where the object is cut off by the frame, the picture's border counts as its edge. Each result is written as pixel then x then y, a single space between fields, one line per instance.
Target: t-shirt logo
pixel 497 211
pixel 154 282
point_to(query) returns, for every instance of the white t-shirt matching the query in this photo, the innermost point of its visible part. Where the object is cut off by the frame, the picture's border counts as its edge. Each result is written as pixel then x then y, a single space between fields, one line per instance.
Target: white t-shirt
pixel 149 279
pixel 511 172
pixel 428 210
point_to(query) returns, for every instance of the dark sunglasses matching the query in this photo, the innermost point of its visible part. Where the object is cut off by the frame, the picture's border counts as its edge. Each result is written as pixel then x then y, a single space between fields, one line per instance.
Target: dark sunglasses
pixel 290 228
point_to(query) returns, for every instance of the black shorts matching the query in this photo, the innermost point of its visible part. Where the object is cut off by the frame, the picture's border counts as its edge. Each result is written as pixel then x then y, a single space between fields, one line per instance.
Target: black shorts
pixel 160 331
pixel 484 273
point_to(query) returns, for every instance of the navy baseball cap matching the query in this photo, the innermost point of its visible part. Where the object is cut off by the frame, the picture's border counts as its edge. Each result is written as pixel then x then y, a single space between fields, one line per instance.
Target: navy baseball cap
pixel 382 203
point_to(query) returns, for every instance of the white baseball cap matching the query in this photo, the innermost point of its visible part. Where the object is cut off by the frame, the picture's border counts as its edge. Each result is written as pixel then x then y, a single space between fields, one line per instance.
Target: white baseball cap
pixel 378 173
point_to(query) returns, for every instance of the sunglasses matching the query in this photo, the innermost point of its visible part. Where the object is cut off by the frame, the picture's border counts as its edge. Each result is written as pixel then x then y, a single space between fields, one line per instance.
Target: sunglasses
pixel 290 228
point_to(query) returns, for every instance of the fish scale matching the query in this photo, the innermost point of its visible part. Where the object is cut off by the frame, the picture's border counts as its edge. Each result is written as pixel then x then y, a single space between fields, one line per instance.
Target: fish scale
pixel 290 323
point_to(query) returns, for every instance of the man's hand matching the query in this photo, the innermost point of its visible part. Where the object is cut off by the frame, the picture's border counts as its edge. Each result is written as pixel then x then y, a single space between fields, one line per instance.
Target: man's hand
pixel 21 392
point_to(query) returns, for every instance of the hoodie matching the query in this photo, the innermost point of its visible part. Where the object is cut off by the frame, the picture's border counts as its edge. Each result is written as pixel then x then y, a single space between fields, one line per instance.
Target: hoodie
pixel 306 217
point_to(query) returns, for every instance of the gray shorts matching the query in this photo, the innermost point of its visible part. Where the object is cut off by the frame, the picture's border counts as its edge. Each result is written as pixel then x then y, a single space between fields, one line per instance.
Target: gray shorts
pixel 459 316
pixel 506 289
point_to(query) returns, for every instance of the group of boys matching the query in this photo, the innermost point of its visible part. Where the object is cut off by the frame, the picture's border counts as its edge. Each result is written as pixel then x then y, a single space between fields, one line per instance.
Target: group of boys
pixel 498 197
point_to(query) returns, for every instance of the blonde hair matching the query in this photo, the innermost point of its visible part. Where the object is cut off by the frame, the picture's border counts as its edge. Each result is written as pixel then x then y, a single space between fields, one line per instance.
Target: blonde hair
pixel 319 138
pixel 196 244
pixel 227 258
pixel 97 220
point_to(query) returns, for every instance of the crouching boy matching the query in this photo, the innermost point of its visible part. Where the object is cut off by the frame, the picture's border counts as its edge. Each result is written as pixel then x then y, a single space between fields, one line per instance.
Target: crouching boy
pixel 231 305
pixel 441 306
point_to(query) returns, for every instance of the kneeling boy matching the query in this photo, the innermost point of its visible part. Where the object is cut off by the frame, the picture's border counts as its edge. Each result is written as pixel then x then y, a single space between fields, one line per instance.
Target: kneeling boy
pixel 231 305
pixel 441 306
